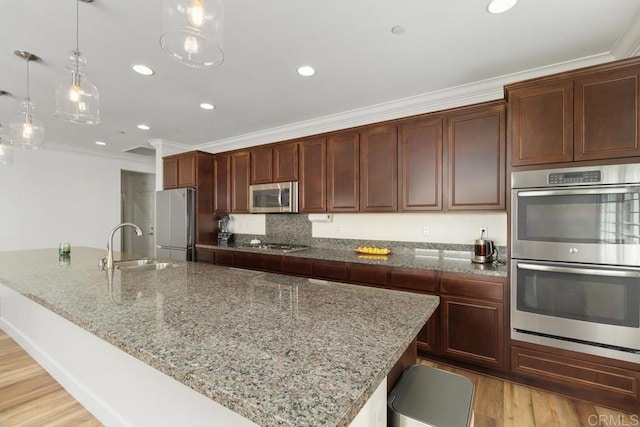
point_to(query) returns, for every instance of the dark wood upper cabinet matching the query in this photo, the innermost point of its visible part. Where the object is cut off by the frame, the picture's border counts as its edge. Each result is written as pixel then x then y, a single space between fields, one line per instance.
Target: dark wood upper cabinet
pixel 285 162
pixel 170 172
pixel 587 114
pixel 607 115
pixel 261 165
pixel 343 172
pixel 379 169
pixel 274 163
pixel 420 165
pixel 476 152
pixel 222 183
pixel 240 176
pixel 541 123
pixel 179 170
pixel 313 176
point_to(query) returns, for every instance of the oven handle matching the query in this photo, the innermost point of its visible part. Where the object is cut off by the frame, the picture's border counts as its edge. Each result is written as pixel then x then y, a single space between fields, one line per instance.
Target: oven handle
pixel 573 270
pixel 584 191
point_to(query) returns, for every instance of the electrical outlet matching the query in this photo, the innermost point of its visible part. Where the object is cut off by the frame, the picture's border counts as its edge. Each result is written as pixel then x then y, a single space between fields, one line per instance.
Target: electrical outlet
pixel 425 231
pixel 484 231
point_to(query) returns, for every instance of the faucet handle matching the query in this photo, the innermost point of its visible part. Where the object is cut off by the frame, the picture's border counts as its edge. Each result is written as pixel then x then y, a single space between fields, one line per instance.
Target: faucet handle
pixel 102 264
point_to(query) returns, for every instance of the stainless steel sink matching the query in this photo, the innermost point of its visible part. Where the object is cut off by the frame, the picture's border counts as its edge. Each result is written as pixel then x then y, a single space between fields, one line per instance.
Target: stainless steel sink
pixel 144 264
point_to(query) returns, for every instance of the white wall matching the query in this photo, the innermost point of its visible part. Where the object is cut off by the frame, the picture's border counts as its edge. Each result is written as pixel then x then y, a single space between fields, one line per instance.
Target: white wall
pixel 455 228
pixel 51 196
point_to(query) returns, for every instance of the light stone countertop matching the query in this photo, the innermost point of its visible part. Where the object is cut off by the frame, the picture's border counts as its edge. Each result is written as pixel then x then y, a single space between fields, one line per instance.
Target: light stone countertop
pixel 434 263
pixel 278 350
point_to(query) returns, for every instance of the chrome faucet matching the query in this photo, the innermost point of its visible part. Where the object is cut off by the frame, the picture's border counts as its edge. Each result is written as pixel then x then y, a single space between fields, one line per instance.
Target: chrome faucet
pixel 110 241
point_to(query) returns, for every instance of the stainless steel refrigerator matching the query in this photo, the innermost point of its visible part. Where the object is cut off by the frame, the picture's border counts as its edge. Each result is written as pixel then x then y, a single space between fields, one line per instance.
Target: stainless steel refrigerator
pixel 175 223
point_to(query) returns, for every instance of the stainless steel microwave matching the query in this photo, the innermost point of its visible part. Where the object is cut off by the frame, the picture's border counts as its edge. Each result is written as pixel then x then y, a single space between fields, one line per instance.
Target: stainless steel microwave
pixel 279 197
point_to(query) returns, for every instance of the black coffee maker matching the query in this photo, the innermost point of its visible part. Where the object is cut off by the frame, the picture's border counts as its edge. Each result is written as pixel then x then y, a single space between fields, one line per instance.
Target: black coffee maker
pixel 225 237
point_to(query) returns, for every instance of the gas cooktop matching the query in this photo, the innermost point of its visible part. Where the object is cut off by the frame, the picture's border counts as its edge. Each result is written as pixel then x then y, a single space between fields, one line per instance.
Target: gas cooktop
pixel 285 247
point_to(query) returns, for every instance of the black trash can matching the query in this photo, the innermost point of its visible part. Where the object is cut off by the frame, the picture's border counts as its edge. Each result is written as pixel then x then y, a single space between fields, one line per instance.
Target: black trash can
pixel 426 396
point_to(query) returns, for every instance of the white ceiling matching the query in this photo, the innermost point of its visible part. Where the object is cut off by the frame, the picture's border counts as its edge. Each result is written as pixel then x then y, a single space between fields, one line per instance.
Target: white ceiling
pixel 452 52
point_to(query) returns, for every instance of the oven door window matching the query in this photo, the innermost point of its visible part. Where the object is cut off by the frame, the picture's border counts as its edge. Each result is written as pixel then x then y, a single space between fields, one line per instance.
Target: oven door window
pixel 581 216
pixel 580 293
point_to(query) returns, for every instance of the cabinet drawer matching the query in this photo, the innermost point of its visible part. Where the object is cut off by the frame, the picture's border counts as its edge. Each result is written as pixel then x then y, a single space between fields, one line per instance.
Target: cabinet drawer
pixel 224 258
pixel 412 279
pixel 258 261
pixel 205 255
pixel 297 266
pixel 330 270
pixel 473 288
pixel 590 377
pixel 368 274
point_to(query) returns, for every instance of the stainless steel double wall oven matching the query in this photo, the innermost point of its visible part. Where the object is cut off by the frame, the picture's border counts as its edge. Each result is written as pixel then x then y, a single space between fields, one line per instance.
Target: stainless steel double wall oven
pixel 575 267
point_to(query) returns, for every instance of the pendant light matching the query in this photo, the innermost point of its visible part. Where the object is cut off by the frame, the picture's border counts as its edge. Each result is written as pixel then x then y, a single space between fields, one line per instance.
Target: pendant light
pixel 6 150
pixel 192 32
pixel 77 98
pixel 25 130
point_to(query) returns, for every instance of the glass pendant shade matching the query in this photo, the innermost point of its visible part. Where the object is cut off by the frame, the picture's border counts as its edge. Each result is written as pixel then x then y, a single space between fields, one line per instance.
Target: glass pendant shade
pixel 192 32
pixel 77 98
pixel 25 130
pixel 6 150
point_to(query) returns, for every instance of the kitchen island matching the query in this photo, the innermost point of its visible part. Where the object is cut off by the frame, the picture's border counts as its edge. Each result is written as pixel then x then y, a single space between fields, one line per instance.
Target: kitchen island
pixel 274 349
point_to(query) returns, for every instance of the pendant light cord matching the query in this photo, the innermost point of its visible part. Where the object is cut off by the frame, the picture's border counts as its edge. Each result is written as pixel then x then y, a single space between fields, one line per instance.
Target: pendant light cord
pixel 77 53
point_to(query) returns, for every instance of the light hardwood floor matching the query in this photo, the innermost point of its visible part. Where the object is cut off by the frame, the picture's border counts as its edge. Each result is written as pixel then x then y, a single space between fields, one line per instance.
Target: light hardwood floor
pixel 29 396
pixel 502 403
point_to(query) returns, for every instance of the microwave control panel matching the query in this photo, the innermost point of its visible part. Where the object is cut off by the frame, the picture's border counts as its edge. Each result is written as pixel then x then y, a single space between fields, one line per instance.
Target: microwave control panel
pixel 575 177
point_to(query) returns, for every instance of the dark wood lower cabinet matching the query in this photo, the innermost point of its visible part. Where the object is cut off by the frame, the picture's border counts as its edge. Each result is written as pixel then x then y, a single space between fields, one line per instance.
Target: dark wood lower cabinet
pixel 330 270
pixel 297 266
pixel 370 275
pixel 471 330
pixel 596 379
pixel 263 262
pixel 205 255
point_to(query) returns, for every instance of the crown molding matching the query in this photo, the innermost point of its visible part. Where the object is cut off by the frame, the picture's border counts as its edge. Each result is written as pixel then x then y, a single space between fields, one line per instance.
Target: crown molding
pixel 467 94
pixel 628 44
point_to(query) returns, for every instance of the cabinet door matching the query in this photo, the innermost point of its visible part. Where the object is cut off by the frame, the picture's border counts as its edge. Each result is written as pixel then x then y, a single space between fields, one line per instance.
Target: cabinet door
pixel 240 182
pixel 285 162
pixel 420 165
pixel 313 176
pixel 607 115
pixel 261 165
pixel 205 255
pixel 428 336
pixel 187 170
pixel 541 123
pixel 476 158
pixel 205 224
pixel 471 330
pixel 169 173
pixel 343 172
pixel 379 169
pixel 222 184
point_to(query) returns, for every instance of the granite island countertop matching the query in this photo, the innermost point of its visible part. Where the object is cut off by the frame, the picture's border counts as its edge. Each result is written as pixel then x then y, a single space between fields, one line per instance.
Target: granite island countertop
pixel 276 349
pixel 434 263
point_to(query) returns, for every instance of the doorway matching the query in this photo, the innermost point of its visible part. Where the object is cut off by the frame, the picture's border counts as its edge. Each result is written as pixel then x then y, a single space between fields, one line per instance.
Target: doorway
pixel 138 195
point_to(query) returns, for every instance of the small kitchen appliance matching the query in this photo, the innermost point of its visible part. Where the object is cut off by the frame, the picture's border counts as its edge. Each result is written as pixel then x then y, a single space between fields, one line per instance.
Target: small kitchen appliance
pixel 484 251
pixel 225 237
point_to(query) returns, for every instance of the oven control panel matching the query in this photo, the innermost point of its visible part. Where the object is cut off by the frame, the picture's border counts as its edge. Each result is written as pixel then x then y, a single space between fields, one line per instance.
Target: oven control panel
pixel 575 177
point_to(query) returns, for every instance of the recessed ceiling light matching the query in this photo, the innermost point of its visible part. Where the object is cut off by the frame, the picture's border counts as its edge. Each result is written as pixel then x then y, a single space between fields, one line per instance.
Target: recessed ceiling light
pixel 499 6
pixel 398 29
pixel 306 71
pixel 101 143
pixel 207 106
pixel 143 69
pixel 144 127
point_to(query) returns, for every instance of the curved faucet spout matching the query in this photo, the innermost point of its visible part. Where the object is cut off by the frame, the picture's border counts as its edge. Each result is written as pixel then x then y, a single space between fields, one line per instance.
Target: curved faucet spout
pixel 110 241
